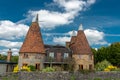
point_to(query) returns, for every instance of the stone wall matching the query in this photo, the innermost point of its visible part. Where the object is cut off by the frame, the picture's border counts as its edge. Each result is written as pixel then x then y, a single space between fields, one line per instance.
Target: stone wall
pixel 67 76
pixel 61 76
pixel 3 68
pixel 84 60
pixel 33 59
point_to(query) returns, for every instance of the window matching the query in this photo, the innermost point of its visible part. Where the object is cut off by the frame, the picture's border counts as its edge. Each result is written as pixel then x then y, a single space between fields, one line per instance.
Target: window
pixel 24 64
pixel 51 54
pixel 80 56
pixel 90 67
pixel 90 57
pixel 65 55
pixel 80 67
pixel 25 55
pixel 37 66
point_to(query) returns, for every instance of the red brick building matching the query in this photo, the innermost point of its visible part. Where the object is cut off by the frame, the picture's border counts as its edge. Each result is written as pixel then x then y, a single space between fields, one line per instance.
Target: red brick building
pixel 81 51
pixel 35 52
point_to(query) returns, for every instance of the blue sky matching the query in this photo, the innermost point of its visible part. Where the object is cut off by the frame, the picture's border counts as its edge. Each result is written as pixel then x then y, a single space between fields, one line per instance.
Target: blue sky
pixel 57 19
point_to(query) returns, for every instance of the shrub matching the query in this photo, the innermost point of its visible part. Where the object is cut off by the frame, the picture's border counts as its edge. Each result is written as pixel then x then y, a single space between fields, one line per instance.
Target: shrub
pixel 48 69
pixel 72 77
pixel 97 79
pixel 100 66
pixel 25 68
pixel 16 69
pixel 32 68
pixel 58 68
pixel 111 68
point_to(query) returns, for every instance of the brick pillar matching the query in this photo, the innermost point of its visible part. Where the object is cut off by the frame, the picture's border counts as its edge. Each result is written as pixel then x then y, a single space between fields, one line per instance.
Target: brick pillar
pixel 9 55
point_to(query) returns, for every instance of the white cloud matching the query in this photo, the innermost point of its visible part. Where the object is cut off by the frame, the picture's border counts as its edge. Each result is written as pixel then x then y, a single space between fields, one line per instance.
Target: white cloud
pixel 14 51
pixel 61 40
pixel 72 33
pixel 95 37
pixel 9 44
pixel 71 5
pixel 10 30
pixel 52 19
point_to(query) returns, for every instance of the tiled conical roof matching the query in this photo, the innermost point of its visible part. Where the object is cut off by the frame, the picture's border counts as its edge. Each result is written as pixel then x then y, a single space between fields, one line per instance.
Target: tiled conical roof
pixel 33 41
pixel 81 45
pixel 73 38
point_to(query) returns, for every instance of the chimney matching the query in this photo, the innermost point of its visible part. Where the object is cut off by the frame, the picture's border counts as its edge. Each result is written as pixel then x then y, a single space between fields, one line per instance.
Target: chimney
pixel 9 55
pixel 67 44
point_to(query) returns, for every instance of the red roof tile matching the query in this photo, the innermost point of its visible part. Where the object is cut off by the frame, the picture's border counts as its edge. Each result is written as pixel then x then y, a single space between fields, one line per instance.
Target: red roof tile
pixel 79 44
pixel 33 41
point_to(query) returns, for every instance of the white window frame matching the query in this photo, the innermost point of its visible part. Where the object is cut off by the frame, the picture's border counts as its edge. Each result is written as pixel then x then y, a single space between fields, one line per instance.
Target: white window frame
pixel 66 55
pixel 51 54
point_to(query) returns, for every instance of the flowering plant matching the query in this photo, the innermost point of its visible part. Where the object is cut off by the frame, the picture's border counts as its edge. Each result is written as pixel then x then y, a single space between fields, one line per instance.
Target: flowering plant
pixel 24 68
pixel 111 68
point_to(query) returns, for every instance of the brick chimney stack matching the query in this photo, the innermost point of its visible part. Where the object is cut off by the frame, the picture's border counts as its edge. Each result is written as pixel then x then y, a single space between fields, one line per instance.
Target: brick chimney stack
pixel 9 55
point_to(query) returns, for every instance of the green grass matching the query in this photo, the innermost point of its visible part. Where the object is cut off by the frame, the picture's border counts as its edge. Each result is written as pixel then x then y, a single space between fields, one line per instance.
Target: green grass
pixel 10 78
pixel 105 79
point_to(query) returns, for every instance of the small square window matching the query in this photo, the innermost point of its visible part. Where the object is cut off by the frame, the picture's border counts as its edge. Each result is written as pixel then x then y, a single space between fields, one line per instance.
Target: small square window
pixel 65 55
pixel 80 56
pixel 24 64
pixel 25 55
pixel 90 57
pixel 51 54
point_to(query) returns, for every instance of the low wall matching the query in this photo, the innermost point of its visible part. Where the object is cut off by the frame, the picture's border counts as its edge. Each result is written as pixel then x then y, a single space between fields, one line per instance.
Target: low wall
pixel 60 76
pixel 68 76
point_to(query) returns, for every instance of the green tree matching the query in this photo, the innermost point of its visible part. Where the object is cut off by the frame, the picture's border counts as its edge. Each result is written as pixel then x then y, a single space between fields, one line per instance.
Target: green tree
pixel 14 59
pixel 3 57
pixel 110 53
pixel 100 54
pixel 114 54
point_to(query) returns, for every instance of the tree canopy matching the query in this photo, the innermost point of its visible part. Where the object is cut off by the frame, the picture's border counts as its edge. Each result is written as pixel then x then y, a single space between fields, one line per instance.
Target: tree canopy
pixel 110 53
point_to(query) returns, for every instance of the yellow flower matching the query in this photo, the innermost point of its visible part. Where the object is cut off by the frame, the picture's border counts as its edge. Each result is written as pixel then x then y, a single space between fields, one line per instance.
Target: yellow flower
pixel 16 69
pixel 25 68
pixel 112 68
pixel 106 70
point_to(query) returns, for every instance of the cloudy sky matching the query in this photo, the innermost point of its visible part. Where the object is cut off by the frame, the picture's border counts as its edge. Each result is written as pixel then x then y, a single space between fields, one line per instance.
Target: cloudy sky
pixel 57 19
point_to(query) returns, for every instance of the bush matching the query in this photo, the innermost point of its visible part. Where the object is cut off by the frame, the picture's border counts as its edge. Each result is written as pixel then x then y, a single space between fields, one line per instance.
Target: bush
pixel 16 69
pixel 25 68
pixel 100 66
pixel 72 77
pixel 48 69
pixel 32 68
pixel 97 79
pixel 111 68
pixel 58 68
